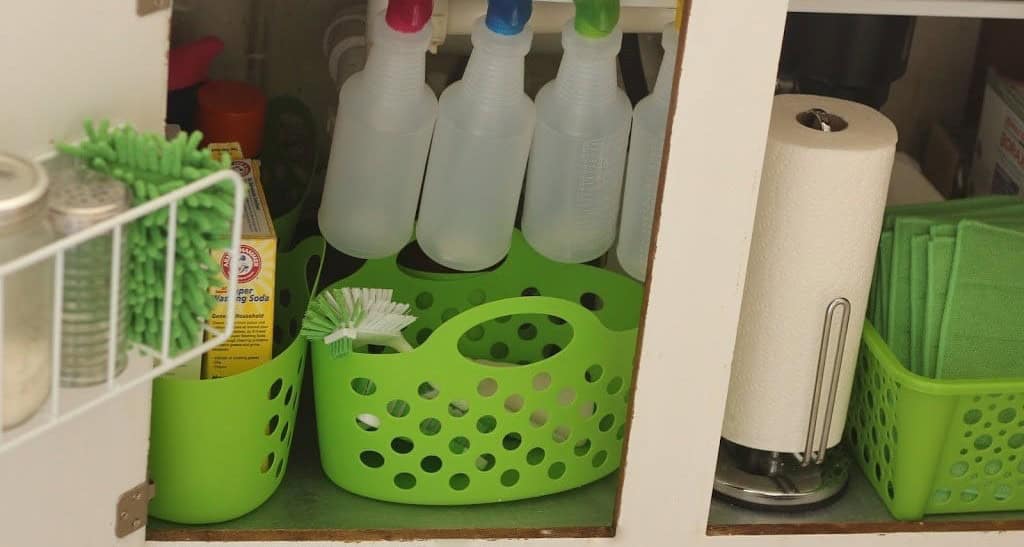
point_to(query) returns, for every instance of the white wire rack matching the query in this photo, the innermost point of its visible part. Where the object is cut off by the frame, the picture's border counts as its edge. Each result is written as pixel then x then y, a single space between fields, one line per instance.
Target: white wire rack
pixel 145 363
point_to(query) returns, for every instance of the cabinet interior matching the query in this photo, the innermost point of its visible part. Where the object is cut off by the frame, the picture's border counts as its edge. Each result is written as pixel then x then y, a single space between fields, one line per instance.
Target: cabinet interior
pixel 307 506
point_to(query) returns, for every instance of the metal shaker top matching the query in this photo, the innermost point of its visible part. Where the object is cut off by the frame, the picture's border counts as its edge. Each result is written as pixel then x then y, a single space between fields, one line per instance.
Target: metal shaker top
pixel 22 184
pixel 81 197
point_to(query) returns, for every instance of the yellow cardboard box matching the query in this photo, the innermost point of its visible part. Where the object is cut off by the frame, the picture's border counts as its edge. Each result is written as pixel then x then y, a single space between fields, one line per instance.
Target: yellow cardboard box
pixel 251 343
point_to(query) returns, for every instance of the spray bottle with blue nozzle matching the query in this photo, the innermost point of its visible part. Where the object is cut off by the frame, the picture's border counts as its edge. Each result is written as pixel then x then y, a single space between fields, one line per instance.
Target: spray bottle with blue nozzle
pixel 481 144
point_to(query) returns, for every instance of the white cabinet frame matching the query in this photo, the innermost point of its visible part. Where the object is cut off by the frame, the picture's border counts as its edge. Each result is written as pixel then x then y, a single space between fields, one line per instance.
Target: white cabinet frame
pixel 97 58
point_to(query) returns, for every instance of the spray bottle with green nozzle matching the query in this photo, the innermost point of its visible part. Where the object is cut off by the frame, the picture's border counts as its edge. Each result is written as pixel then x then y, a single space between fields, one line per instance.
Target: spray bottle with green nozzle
pixel 579 146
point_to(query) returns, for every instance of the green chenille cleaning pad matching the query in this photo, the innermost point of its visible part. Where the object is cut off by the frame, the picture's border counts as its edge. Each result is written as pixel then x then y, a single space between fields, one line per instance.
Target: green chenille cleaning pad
pixel 152 166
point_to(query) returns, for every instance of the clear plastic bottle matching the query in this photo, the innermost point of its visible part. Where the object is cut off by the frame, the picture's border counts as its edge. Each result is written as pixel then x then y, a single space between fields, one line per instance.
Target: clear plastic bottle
pixel 644 167
pixel 381 138
pixel 574 180
pixel 481 144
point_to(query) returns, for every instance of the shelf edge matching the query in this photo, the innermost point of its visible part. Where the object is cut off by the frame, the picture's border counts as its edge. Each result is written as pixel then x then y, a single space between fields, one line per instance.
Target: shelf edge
pixel 991 9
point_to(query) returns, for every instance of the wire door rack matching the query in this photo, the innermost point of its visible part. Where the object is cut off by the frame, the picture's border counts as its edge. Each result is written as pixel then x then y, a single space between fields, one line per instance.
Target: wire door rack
pixel 144 363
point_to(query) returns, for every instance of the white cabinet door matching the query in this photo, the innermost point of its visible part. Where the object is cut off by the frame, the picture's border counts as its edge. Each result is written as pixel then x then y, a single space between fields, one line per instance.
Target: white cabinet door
pixel 62 62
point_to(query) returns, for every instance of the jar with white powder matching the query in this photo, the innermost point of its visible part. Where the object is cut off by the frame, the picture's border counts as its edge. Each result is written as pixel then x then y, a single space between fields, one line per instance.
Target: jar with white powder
pixel 26 294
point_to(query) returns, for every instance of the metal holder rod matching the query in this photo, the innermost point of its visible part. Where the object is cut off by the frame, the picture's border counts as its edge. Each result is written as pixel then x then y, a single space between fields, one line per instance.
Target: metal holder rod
pixel 810 455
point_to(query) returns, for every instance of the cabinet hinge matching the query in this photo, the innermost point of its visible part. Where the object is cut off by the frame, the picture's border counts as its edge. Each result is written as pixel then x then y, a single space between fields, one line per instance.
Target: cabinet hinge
pixel 145 7
pixel 133 508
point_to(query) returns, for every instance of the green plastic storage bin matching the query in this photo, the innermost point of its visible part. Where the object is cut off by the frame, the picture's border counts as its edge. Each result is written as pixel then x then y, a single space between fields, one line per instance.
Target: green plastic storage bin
pixel 289 162
pixel 936 446
pixel 447 425
pixel 219 448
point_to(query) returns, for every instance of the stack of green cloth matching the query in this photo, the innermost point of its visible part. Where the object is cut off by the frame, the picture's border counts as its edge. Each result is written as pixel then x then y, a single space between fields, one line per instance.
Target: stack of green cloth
pixel 948 294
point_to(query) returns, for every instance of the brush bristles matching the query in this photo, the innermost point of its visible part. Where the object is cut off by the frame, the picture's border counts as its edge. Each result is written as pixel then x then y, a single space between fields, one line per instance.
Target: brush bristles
pixel 341 317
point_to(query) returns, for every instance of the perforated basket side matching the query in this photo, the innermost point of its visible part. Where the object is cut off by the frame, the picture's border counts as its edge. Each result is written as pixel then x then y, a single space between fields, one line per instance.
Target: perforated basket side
pixel 931 446
pixel 982 463
pixel 433 427
pixel 219 448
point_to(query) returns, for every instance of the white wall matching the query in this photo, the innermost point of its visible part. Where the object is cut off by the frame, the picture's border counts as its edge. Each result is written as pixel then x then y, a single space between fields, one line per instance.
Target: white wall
pixel 934 89
pixel 62 61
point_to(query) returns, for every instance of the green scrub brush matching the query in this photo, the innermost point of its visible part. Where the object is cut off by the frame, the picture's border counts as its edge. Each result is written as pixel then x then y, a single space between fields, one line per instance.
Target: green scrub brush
pixel 343 317
pixel 152 166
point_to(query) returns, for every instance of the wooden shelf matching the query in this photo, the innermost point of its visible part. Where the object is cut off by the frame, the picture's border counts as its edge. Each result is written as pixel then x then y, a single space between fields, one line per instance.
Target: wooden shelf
pixel 308 506
pixel 858 511
pixel 998 9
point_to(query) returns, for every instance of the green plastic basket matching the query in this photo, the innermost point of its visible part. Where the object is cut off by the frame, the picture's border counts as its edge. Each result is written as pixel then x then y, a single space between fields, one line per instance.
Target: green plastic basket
pixel 936 446
pixel 437 427
pixel 289 162
pixel 219 448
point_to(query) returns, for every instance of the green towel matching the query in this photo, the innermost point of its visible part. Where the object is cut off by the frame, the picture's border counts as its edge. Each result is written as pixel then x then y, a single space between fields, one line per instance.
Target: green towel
pixel 885 271
pixel 880 282
pixel 918 296
pixel 919 280
pixel 940 207
pixel 940 267
pixel 982 334
pixel 905 227
pixel 941 246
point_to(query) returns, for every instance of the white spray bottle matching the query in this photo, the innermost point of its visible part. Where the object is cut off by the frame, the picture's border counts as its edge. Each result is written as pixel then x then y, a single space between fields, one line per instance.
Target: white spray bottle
pixel 381 139
pixel 574 180
pixel 481 144
pixel 644 167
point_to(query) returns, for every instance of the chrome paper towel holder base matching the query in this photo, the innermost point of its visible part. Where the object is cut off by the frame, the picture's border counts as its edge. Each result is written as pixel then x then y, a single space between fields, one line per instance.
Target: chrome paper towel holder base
pixel 774 480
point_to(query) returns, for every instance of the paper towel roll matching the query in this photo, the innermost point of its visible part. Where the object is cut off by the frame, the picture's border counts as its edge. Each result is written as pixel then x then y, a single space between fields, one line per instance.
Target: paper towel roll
pixel 819 215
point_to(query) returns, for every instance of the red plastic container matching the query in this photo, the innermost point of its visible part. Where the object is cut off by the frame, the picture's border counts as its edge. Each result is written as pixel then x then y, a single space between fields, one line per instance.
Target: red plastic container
pixel 232 112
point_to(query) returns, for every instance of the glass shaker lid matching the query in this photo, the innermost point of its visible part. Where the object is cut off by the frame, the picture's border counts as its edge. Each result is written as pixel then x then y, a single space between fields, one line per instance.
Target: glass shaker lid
pixel 22 183
pixel 81 197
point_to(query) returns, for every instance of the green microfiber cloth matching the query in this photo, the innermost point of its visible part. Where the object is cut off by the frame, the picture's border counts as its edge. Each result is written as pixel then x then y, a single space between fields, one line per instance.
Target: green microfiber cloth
pixel 919 275
pixel 982 333
pixel 918 296
pixel 907 222
pixel 941 249
pixel 881 287
pixel 152 166
pixel 940 266
pixel 882 281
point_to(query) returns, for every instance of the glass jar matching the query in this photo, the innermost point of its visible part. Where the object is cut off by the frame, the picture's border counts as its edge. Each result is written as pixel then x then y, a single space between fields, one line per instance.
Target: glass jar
pixel 27 293
pixel 80 198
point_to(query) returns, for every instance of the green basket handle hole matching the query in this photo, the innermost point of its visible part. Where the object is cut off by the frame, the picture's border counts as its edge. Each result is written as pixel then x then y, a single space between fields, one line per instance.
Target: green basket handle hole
pixel 513 340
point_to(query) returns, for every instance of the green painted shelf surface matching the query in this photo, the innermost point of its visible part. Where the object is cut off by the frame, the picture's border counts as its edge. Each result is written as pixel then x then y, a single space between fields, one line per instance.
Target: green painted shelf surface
pixel 308 506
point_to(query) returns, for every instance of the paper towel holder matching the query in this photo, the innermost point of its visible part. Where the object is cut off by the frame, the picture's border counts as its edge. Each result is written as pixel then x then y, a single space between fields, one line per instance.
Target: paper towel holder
pixel 804 479
pixel 822 120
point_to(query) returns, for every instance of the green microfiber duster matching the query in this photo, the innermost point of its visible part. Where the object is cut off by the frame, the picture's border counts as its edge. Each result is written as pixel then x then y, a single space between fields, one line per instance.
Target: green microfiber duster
pixel 152 166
